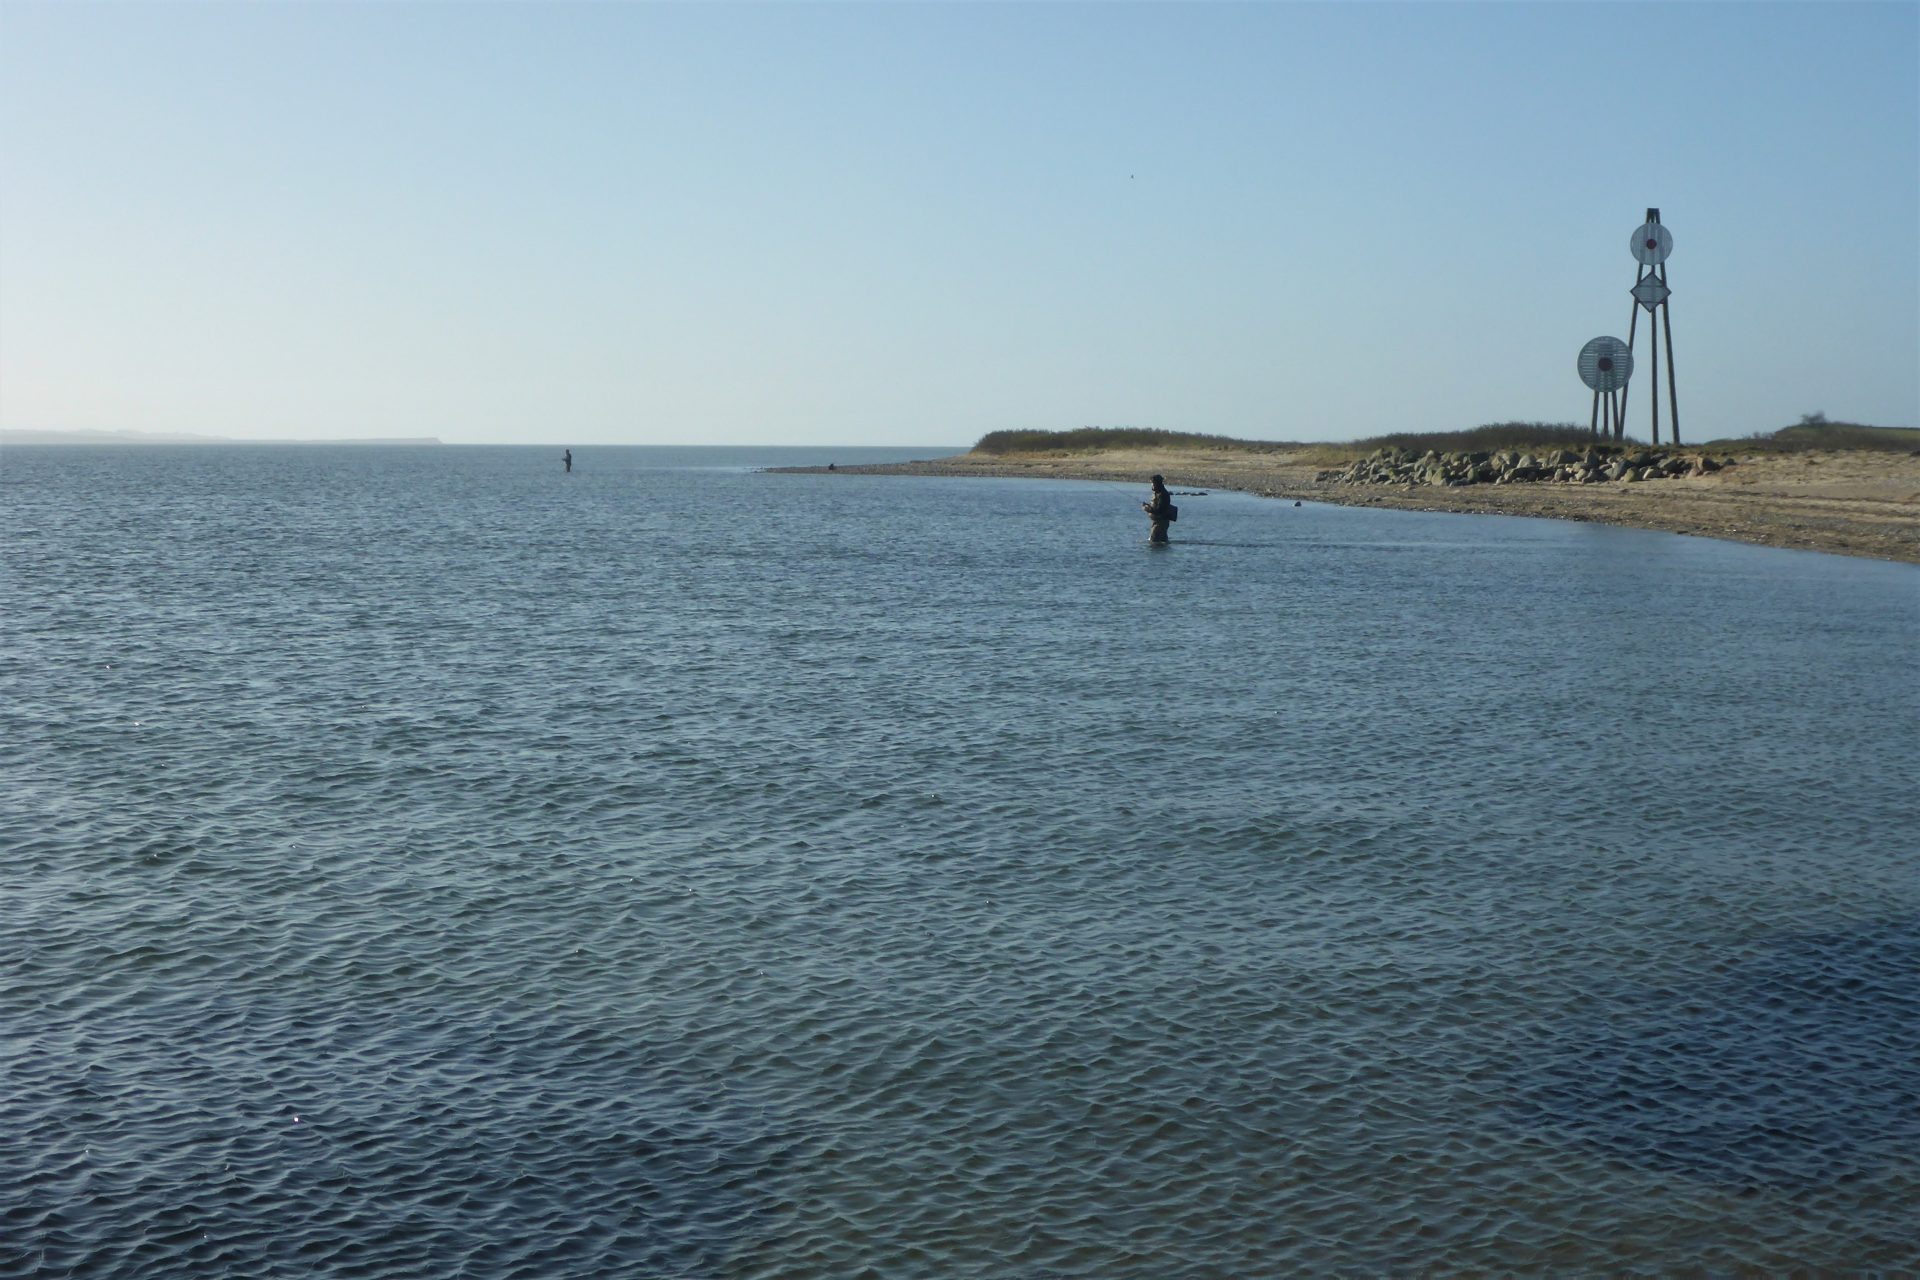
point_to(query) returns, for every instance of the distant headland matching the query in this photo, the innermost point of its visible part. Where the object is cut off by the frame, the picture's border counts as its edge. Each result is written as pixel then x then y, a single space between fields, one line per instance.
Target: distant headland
pixel 16 436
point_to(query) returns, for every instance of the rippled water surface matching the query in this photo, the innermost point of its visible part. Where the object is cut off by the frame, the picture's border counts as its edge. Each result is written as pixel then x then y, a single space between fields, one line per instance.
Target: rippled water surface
pixel 424 863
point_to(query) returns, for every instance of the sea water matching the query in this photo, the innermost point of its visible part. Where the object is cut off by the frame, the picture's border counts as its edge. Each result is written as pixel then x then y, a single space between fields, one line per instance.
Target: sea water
pixel 423 862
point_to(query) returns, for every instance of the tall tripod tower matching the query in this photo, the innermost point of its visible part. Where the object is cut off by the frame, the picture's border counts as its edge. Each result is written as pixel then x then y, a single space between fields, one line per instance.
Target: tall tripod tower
pixel 1651 244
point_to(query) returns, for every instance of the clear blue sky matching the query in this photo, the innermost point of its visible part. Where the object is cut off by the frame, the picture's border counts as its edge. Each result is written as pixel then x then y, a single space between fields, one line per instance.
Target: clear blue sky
pixel 912 224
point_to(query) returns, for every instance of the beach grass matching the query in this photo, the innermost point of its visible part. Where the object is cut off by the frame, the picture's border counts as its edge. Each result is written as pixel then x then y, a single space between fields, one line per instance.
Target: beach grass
pixel 1836 436
pixel 1802 437
pixel 1109 439
pixel 1491 436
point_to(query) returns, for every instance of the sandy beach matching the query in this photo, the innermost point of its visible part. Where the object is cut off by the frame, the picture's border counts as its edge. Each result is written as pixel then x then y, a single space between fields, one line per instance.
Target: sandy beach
pixel 1853 502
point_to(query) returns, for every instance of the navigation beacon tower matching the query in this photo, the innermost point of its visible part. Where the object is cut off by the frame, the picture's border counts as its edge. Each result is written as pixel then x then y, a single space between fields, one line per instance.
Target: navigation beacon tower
pixel 1651 243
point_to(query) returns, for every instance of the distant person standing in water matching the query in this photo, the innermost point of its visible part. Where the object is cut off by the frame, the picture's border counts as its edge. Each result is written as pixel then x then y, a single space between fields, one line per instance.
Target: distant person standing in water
pixel 1159 509
pixel 567 457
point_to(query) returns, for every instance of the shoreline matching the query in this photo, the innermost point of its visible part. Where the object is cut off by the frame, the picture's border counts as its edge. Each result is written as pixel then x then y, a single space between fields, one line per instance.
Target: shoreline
pixel 1853 502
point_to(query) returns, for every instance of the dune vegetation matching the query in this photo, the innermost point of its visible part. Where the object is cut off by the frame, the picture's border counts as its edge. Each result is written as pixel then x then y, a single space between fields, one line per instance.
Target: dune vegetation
pixel 1813 432
pixel 1108 439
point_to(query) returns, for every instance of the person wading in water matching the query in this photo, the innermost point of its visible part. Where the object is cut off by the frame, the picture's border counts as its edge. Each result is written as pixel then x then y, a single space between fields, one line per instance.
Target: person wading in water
pixel 1160 510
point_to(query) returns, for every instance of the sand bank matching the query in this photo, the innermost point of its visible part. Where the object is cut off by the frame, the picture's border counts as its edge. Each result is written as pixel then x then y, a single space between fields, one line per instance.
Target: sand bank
pixel 1856 502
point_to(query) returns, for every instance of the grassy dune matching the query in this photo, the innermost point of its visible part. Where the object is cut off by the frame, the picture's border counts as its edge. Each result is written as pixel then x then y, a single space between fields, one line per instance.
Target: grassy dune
pixel 1111 439
pixel 1834 435
pixel 1806 436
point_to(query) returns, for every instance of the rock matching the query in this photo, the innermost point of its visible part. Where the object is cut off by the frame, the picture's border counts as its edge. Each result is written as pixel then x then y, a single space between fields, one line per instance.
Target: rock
pixel 1513 466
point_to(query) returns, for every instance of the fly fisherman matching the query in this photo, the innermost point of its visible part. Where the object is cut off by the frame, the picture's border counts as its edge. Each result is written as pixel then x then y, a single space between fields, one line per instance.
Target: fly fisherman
pixel 1159 508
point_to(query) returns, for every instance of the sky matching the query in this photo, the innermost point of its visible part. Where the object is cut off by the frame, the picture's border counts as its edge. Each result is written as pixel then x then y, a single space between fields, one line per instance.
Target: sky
pixel 912 224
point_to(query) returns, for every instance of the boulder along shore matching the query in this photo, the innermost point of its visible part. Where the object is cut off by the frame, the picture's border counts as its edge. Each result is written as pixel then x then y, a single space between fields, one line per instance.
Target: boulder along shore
pixel 1849 502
